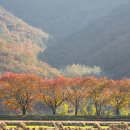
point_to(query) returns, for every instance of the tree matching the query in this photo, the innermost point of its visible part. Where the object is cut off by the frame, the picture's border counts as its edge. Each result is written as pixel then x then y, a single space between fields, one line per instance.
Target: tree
pixel 119 90
pixel 77 70
pixel 76 92
pixel 19 91
pixel 98 93
pixel 52 92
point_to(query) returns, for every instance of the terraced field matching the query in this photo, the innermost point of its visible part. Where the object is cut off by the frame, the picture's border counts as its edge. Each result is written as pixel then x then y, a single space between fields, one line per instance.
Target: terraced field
pixel 65 125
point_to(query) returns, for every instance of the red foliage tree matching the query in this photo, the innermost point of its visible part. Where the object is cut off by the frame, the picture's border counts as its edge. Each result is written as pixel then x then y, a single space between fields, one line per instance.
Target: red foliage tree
pixel 98 92
pixel 53 92
pixel 119 90
pixel 19 91
pixel 76 92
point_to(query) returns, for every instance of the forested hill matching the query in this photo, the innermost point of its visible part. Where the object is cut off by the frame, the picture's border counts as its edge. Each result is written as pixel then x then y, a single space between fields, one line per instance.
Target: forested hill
pixel 19 46
pixel 90 32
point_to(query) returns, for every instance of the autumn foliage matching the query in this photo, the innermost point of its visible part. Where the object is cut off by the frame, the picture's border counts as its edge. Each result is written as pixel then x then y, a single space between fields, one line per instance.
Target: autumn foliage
pixel 53 92
pixel 21 92
pixel 20 45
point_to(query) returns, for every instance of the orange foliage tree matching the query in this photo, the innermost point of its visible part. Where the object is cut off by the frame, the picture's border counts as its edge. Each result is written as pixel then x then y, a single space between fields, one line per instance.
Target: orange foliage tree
pixel 52 92
pixel 19 91
pixel 98 93
pixel 76 92
pixel 119 90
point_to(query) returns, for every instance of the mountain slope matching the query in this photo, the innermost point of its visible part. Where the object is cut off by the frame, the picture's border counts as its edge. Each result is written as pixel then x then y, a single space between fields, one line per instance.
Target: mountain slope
pixel 19 46
pixel 60 18
pixel 87 32
pixel 105 42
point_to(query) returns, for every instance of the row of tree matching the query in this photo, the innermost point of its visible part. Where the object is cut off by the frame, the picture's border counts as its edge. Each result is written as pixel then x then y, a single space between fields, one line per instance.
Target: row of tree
pixel 21 92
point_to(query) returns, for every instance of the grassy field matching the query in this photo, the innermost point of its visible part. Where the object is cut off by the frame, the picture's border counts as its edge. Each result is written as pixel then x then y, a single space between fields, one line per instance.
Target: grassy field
pixel 64 118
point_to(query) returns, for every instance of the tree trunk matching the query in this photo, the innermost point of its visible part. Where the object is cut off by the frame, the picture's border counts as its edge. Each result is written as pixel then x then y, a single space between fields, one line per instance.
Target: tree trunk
pixel 54 111
pixel 117 111
pixel 24 111
pixel 97 110
pixel 97 113
pixel 76 108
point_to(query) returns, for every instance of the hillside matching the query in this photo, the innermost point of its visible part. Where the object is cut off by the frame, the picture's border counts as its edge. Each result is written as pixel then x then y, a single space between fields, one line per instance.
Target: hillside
pixel 105 42
pixel 86 32
pixel 19 46
pixel 60 18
